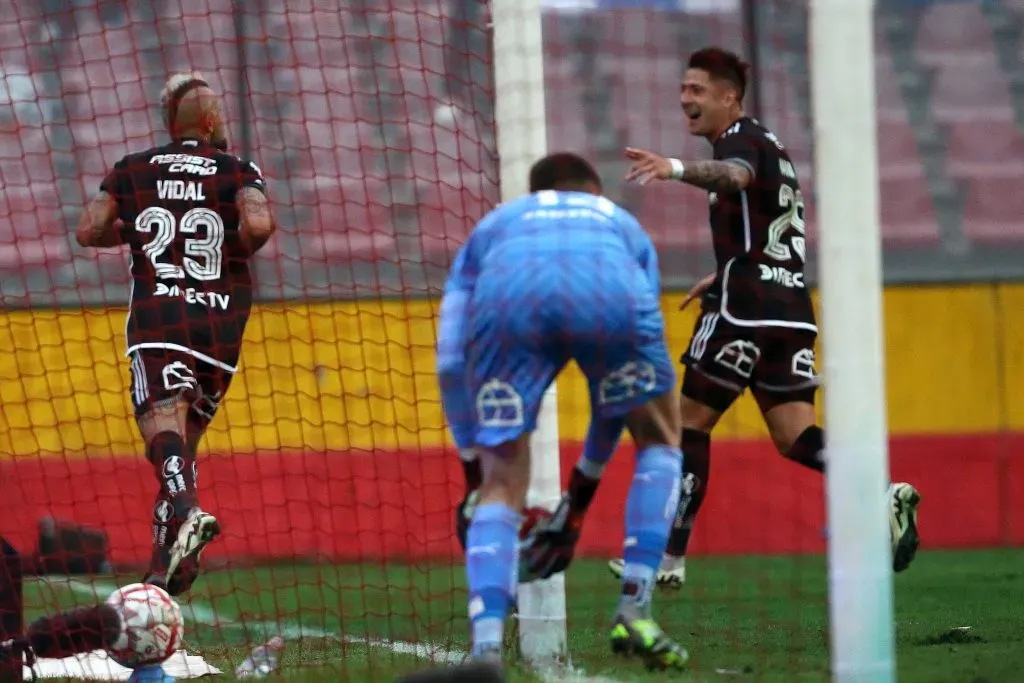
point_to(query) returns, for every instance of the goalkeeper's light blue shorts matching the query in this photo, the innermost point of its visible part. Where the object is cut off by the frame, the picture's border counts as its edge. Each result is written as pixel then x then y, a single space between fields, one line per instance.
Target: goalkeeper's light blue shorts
pixel 520 338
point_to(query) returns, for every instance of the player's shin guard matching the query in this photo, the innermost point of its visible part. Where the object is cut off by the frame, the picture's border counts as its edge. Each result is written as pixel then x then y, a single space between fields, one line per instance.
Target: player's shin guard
pixel 650 509
pixel 696 471
pixel 809 449
pixel 165 531
pixel 492 565
pixel 174 464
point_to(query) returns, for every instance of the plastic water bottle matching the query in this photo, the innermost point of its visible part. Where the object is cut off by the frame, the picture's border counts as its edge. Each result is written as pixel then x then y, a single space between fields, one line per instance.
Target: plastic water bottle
pixel 262 660
pixel 153 673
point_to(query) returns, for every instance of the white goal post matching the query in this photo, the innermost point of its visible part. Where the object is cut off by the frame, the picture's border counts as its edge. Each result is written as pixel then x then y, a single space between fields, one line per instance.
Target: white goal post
pixel 522 139
pixel 843 93
pixel 846 168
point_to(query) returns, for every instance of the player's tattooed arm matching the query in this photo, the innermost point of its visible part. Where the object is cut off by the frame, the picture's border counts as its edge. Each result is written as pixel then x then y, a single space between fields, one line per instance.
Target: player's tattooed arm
pixel 98 225
pixel 717 176
pixel 257 222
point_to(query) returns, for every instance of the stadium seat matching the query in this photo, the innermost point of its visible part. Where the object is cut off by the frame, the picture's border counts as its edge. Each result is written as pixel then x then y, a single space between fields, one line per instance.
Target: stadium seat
pixel 676 217
pixel 993 210
pixel 564 98
pixel 29 252
pixel 897 149
pixel 908 212
pixel 997 152
pixel 419 42
pixel 953 33
pixel 889 95
pixel 32 232
pixel 972 91
pixel 343 220
pixel 447 213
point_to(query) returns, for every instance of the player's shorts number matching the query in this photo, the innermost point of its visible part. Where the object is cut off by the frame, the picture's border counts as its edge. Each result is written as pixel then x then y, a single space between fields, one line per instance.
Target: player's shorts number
pixel 207 248
pixel 792 203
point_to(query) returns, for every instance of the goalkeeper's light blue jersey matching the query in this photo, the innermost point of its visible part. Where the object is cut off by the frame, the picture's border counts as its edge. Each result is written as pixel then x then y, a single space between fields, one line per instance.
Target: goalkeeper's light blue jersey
pixel 543 279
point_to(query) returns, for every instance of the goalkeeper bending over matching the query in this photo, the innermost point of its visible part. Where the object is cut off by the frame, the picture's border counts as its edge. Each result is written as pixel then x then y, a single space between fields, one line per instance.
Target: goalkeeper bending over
pixel 562 274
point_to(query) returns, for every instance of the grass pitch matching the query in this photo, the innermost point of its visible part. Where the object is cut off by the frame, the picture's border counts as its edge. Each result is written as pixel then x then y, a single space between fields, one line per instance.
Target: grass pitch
pixel 959 618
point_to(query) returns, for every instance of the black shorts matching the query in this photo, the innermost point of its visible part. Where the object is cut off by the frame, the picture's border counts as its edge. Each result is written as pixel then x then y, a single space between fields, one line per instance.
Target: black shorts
pixel 160 375
pixel 776 363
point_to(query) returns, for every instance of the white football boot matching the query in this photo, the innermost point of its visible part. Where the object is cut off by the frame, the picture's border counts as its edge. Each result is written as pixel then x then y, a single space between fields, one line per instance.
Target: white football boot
pixel 671 573
pixel 198 530
pixel 903 502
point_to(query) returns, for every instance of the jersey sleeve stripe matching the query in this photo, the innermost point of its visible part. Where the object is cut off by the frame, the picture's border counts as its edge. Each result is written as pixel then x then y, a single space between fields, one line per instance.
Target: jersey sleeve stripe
pixel 744 163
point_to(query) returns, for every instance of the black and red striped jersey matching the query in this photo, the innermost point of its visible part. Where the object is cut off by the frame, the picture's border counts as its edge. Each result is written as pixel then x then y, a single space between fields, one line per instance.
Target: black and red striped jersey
pixel 759 233
pixel 191 285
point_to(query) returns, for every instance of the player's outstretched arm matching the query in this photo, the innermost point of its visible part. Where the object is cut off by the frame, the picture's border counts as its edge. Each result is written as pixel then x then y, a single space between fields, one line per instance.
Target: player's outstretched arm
pixel 698 290
pixel 98 225
pixel 256 221
pixel 713 175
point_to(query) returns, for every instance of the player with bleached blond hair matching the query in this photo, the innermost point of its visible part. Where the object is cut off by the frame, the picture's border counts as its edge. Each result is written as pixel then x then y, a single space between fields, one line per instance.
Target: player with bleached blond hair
pixel 193 215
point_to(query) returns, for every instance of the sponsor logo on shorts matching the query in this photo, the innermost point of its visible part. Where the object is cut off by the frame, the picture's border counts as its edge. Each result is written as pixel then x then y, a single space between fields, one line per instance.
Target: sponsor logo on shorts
pixel 177 375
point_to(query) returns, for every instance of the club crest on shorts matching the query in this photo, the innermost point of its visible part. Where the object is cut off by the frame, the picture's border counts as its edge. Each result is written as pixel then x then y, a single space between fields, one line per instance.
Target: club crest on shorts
pixel 177 375
pixel 631 380
pixel 740 356
pixel 803 364
pixel 498 404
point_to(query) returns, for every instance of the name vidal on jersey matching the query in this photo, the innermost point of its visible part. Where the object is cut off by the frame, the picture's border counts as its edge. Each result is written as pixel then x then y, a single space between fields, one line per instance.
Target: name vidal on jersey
pixel 180 189
pixel 194 296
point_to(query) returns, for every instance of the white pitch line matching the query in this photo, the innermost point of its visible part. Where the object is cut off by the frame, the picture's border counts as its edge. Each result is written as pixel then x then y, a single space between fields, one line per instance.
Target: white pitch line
pixel 289 630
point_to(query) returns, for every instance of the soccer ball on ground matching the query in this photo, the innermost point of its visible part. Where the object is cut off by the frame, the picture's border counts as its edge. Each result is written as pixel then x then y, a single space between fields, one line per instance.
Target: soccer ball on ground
pixel 151 625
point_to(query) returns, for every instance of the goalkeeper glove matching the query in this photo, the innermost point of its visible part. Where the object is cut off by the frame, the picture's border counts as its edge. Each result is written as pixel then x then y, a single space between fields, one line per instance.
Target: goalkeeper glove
pixel 549 546
pixel 464 515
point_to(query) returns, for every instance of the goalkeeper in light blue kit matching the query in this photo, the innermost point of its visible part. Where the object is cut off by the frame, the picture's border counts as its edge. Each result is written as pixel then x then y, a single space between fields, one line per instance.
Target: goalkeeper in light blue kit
pixel 560 274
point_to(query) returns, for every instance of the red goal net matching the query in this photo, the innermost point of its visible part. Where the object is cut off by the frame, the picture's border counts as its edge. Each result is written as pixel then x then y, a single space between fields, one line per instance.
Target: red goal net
pixel 329 464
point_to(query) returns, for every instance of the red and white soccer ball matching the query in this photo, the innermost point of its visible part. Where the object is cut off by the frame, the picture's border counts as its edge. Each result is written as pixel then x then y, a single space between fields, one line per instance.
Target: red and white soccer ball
pixel 151 625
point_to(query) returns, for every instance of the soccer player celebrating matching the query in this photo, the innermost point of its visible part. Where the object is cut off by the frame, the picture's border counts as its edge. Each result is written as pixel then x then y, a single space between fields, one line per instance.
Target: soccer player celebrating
pixel 192 215
pixel 560 274
pixel 757 328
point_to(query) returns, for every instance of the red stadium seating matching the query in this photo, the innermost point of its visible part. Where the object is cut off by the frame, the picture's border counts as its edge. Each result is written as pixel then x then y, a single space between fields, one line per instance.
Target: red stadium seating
pixel 908 212
pixel 889 97
pixel 676 215
pixel 993 210
pixel 953 33
pixel 995 152
pixel 971 91
pixel 898 154
pixel 320 80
